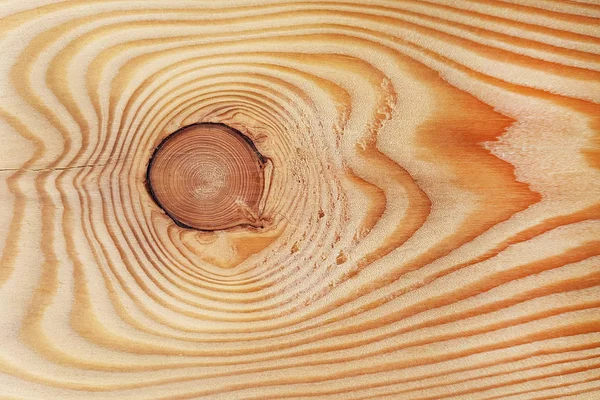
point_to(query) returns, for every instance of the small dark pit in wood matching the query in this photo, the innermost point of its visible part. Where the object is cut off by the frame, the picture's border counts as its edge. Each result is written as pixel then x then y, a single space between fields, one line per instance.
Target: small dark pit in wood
pixel 208 177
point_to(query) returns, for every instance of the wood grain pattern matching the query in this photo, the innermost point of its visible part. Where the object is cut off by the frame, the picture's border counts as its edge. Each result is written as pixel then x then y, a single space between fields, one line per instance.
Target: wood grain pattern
pixel 433 200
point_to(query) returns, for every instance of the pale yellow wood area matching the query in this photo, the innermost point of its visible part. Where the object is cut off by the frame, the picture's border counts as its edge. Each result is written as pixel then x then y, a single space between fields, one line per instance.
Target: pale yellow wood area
pixel 431 218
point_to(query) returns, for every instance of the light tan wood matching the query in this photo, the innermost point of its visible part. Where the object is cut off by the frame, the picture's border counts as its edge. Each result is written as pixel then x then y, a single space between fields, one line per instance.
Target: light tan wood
pixel 432 193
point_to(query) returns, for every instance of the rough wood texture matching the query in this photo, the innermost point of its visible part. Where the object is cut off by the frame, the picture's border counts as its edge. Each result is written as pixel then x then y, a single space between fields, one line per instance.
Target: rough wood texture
pixel 432 203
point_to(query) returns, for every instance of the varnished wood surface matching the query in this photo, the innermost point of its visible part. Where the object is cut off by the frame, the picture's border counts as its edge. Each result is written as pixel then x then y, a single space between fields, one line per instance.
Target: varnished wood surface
pixel 432 193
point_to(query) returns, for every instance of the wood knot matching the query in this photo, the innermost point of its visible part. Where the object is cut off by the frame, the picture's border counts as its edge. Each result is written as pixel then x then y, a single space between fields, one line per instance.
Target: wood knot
pixel 208 177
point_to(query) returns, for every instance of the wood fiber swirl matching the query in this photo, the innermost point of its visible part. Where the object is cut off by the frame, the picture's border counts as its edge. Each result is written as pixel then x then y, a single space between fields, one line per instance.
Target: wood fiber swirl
pixel 430 222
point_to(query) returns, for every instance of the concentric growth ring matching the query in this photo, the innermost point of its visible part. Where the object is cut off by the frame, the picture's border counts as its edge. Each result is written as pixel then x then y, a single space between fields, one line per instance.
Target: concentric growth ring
pixel 208 177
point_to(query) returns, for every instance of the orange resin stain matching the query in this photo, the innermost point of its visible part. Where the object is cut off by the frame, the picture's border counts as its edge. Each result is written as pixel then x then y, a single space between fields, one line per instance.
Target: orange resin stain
pixel 455 139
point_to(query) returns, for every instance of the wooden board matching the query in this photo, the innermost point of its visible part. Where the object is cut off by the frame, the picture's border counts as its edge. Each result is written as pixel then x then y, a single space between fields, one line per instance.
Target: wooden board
pixel 431 206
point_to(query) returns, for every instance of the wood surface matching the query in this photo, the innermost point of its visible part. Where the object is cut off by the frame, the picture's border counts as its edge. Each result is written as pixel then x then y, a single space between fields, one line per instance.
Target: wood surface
pixel 432 197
